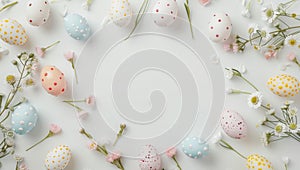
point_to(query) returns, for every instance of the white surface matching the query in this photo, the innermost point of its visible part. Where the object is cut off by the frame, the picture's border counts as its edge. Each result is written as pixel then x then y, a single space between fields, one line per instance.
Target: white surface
pixel 53 110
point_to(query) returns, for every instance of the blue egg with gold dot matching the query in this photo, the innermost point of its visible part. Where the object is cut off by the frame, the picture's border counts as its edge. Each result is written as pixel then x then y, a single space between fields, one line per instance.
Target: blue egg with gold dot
pixel 77 26
pixel 194 147
pixel 24 118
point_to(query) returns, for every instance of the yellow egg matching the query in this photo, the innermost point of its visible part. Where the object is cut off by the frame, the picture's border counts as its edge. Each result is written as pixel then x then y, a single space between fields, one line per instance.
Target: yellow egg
pixel 12 32
pixel 284 85
pixel 258 162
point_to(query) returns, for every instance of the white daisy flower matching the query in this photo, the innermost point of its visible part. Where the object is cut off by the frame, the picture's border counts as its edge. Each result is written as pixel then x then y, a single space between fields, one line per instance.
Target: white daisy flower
pixel 253 28
pixel 229 73
pixel 265 138
pixel 293 111
pixel 279 129
pixel 269 14
pixel 290 41
pixel 217 138
pixel 265 33
pixel 294 128
pixel 255 100
pixel 246 13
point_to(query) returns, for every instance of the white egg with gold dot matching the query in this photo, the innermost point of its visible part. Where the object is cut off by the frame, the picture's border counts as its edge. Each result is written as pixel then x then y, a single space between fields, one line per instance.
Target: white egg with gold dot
pixel 12 32
pixel 58 158
pixel 284 85
pixel 120 12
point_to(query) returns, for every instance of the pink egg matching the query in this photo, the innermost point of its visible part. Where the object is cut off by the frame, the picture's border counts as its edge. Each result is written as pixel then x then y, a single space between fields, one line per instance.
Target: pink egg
pixel 53 80
pixel 233 124
pixel 150 159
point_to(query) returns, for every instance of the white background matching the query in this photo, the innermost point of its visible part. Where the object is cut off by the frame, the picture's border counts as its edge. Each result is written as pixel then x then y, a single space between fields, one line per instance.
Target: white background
pixel 52 110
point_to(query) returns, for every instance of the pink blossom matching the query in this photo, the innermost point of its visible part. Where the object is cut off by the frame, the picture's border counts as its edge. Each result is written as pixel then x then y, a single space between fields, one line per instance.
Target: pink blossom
pixel 171 152
pixel 90 100
pixel 23 166
pixel 69 55
pixel 92 145
pixel 204 2
pixel 227 47
pixel 82 114
pixel 55 128
pixel 235 47
pixel 111 157
pixel 270 54
pixel 291 56
pixel 40 51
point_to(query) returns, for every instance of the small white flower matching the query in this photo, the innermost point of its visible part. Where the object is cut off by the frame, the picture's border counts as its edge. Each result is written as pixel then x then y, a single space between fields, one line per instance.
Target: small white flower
pixel 294 128
pixel 269 14
pixel 3 51
pixel 253 28
pixel 265 138
pixel 260 2
pixel 9 141
pixel 290 41
pixel 246 13
pixel 229 73
pixel 262 121
pixel 289 102
pixel 255 100
pixel 265 33
pixel 285 160
pixel 217 138
pixel 293 111
pixel 280 129
pixel 229 91
pixel 284 66
pixel 242 69
pixel 270 111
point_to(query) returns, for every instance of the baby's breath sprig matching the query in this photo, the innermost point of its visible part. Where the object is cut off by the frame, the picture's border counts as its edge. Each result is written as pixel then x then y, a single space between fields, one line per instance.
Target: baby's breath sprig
pixel 23 65
pixel 113 158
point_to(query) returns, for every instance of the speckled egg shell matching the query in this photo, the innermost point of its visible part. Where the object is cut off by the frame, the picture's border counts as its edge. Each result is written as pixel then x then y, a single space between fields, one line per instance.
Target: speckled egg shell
pixel 284 85
pixel 53 80
pixel 219 27
pixel 24 118
pixel 77 26
pixel 164 12
pixel 120 12
pixel 233 124
pixel 58 158
pixel 194 147
pixel 257 162
pixel 37 12
pixel 12 32
pixel 150 159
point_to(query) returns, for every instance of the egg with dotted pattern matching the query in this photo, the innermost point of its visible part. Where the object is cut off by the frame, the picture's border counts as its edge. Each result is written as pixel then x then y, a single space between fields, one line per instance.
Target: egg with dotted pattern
pixel 258 162
pixel 53 80
pixel 284 85
pixel 220 27
pixel 164 12
pixel 77 26
pixel 194 147
pixel 58 158
pixel 37 12
pixel 233 124
pixel 24 118
pixel 12 32
pixel 120 12
pixel 150 159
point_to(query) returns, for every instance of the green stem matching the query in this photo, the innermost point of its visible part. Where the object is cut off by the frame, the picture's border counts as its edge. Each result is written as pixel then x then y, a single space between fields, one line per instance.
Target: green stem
pixel 73 105
pixel 8 5
pixel 228 146
pixel 75 72
pixel 8 113
pixel 247 81
pixel 234 91
pixel 177 164
pixel 53 44
pixel 46 137
pixel 188 12
pixel 283 30
pixel 285 166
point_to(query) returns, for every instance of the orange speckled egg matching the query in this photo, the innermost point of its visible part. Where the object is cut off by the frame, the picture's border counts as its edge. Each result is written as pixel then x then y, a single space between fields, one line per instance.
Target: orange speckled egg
pixel 53 80
pixel 258 162
pixel 284 85
pixel 12 32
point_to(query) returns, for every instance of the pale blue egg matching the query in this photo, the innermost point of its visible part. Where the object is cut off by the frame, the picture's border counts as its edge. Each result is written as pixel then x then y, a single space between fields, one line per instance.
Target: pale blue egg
pixel 77 26
pixel 194 147
pixel 24 118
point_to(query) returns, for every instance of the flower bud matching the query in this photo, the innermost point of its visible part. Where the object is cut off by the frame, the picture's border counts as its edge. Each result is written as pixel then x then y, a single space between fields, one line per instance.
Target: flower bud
pixel 10 79
pixel 14 62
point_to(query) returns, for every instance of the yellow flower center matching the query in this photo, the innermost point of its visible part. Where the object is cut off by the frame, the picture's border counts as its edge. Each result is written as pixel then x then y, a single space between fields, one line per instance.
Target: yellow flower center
pixel 293 15
pixel 278 128
pixel 292 42
pixel 269 13
pixel 254 100
pixel 293 126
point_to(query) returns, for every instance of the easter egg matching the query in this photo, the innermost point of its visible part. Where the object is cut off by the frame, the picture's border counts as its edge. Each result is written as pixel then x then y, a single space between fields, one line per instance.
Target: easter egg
pixel 58 158
pixel 24 118
pixel 219 27
pixel 37 12
pixel 284 85
pixel 150 159
pixel 164 12
pixel 77 26
pixel 258 162
pixel 233 124
pixel 12 32
pixel 194 147
pixel 53 80
pixel 120 12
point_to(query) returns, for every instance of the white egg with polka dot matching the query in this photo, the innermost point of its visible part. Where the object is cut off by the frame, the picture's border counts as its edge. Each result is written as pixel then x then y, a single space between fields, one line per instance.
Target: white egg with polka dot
pixel 220 27
pixel 120 12
pixel 37 12
pixel 58 158
pixel 164 12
